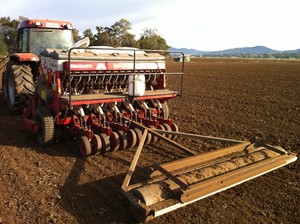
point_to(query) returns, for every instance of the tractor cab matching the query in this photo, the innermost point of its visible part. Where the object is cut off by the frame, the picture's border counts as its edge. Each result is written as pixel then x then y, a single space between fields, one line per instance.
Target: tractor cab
pixel 36 35
pixel 22 68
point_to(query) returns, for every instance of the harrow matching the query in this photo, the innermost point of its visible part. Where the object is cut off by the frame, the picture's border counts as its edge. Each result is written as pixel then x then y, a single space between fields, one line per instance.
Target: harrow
pixel 178 183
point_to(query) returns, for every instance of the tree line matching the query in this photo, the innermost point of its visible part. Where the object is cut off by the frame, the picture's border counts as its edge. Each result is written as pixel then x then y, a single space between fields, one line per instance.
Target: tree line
pixel 117 35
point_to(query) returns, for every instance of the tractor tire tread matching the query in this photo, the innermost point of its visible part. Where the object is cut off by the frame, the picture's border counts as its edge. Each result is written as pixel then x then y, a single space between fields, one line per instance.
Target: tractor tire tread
pixel 19 77
pixel 46 137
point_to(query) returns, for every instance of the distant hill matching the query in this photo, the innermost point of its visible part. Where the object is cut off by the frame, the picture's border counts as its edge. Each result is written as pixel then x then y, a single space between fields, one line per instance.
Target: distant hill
pixel 188 51
pixel 297 51
pixel 256 51
pixel 246 50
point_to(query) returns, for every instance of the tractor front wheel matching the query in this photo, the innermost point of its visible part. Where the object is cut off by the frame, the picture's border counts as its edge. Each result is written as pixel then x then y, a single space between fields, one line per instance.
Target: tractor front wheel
pixel 45 135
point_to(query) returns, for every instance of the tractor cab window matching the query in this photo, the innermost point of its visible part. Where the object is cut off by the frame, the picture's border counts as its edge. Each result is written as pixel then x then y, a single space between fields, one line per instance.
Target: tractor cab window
pixel 23 40
pixel 40 39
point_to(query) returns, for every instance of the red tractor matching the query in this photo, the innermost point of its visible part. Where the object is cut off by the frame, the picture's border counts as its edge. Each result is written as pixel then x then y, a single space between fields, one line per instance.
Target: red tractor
pixel 23 68
pixel 116 98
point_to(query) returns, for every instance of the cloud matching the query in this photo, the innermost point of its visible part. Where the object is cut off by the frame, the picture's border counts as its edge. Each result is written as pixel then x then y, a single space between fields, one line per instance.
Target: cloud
pixel 14 8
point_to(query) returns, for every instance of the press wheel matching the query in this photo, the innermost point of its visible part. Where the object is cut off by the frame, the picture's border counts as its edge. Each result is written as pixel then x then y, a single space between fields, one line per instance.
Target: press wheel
pixel 174 128
pixel 132 138
pixel 161 127
pixel 114 141
pixel 123 140
pixel 167 128
pixel 139 135
pixel 148 138
pixel 84 146
pixel 96 144
pixel 153 137
pixel 105 143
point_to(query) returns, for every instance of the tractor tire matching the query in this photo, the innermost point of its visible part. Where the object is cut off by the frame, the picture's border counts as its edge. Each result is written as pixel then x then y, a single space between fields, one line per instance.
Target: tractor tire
pixel 18 86
pixel 45 135
pixel 4 85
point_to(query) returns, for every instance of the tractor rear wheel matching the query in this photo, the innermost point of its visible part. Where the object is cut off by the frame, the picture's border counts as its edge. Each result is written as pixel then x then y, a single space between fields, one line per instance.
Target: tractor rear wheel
pixel 45 135
pixel 4 84
pixel 18 85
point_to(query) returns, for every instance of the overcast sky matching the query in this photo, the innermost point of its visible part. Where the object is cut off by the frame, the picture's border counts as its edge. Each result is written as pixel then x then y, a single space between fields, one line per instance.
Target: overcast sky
pixel 199 24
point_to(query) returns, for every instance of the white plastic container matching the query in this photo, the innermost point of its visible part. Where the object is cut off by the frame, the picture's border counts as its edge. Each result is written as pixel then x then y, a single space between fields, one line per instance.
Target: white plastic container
pixel 137 85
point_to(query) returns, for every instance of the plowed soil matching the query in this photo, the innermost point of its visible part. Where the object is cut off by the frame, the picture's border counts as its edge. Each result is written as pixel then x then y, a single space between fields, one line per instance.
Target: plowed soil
pixel 230 98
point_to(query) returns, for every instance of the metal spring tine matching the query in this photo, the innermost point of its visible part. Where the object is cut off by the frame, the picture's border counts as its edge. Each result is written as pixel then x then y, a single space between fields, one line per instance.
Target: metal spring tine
pixel 124 79
pixel 90 83
pixel 76 86
pixel 96 78
pixel 103 79
pixel 87 84
pixel 119 82
pixel 109 79
pixel 82 89
pixel 99 80
pixel 65 89
pixel 116 80
pixel 102 82
pixel 74 83
pixel 93 83
pixel 86 80
pixel 77 83
pixel 65 85
pixel 147 77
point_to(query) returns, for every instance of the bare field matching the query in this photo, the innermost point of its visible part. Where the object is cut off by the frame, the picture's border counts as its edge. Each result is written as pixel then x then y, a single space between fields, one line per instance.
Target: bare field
pixel 230 98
